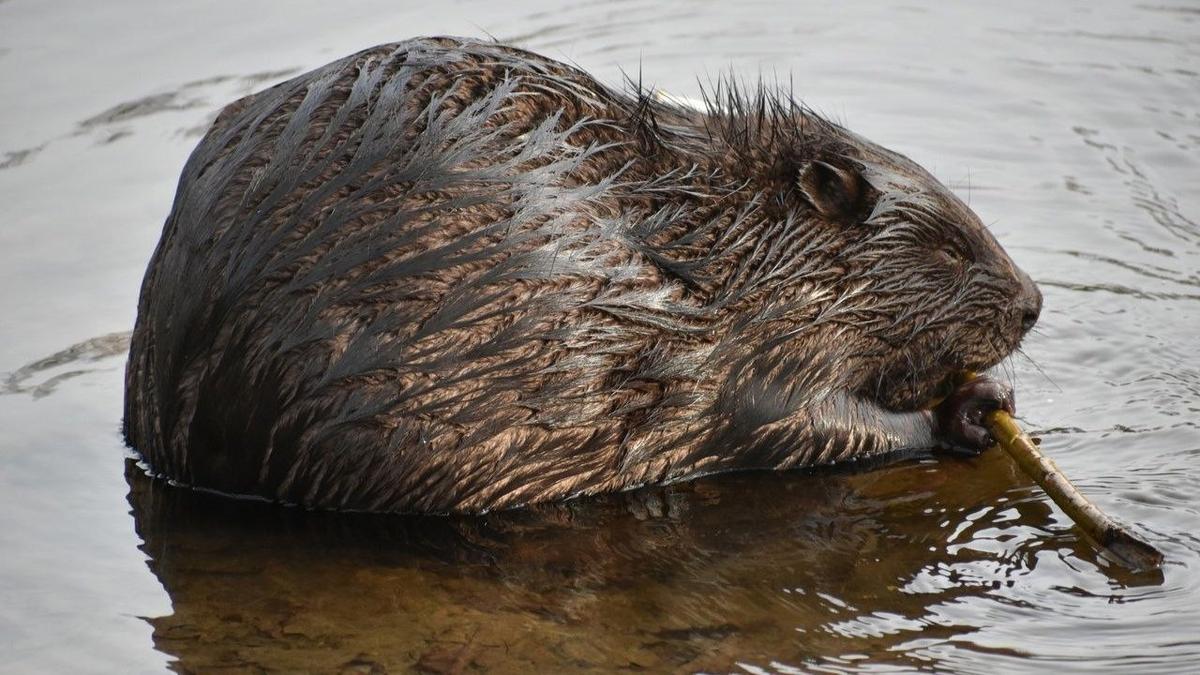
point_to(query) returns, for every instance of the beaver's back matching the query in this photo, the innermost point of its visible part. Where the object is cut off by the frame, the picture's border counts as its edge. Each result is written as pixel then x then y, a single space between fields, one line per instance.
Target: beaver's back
pixel 382 276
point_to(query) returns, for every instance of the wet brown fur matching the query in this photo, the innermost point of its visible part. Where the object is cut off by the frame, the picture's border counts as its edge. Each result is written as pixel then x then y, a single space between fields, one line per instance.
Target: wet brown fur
pixel 449 275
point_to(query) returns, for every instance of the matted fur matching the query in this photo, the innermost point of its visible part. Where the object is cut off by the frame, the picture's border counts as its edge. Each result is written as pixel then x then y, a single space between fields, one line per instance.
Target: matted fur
pixel 449 275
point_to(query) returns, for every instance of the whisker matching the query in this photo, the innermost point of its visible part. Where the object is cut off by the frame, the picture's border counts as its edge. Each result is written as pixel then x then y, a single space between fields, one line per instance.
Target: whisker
pixel 1038 366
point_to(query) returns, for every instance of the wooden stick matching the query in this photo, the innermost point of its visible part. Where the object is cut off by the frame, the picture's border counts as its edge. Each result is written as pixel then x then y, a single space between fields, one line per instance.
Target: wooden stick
pixel 1126 549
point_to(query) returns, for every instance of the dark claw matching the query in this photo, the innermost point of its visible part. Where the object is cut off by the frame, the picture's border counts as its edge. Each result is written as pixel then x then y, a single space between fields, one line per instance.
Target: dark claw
pixel 959 426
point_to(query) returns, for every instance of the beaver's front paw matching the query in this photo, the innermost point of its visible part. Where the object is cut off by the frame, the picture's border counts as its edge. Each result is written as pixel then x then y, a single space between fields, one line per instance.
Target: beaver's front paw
pixel 959 420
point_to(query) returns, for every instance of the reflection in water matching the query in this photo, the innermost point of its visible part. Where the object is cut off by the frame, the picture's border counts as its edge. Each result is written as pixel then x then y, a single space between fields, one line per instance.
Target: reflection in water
pixel 15 158
pixel 189 96
pixel 793 569
pixel 78 359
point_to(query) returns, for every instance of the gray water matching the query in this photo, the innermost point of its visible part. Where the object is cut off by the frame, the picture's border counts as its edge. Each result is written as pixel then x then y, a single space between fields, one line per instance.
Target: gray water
pixel 1072 127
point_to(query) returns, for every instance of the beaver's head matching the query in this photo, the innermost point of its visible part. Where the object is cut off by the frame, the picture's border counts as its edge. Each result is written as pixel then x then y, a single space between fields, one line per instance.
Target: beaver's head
pixel 933 291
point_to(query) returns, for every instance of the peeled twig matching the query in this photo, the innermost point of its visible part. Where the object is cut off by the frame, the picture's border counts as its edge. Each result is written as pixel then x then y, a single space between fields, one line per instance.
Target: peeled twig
pixel 1126 549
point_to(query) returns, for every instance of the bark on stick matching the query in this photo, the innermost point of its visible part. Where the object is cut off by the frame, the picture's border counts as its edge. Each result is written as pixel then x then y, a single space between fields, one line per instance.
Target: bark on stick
pixel 1126 549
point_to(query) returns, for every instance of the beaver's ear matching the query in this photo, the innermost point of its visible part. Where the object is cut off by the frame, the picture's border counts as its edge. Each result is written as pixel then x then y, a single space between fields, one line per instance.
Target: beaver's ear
pixel 836 193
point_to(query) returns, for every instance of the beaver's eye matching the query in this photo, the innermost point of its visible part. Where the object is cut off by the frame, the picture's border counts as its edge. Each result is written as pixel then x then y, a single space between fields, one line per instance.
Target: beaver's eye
pixel 952 256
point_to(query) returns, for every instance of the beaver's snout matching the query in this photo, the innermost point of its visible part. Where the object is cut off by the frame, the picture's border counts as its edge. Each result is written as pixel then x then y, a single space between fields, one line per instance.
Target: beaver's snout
pixel 1029 304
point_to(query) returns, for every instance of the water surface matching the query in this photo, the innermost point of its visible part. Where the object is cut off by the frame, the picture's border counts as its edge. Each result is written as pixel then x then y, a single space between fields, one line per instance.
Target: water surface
pixel 1072 127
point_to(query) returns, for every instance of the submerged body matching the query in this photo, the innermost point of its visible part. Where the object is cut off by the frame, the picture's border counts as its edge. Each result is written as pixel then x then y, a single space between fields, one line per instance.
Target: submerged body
pixel 447 275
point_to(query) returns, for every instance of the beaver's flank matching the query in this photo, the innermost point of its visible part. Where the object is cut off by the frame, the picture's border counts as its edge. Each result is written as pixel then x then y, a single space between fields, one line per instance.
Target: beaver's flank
pixel 449 275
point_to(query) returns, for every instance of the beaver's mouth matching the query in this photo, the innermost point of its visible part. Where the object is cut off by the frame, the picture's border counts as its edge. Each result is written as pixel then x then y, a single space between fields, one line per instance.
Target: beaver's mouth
pixel 914 391
pixel 923 371
pixel 921 390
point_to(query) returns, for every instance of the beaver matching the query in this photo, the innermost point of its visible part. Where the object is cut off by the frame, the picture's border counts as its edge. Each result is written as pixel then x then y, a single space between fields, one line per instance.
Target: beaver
pixel 448 275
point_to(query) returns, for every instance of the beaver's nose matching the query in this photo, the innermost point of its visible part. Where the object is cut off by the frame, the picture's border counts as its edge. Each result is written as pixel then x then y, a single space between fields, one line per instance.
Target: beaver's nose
pixel 1029 318
pixel 1031 307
